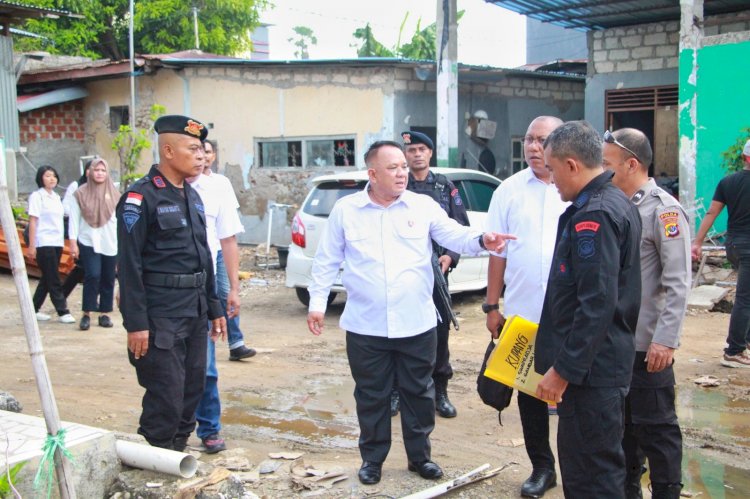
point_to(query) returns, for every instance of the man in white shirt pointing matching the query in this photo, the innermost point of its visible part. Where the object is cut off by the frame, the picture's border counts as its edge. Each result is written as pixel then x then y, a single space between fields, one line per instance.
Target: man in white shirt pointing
pixel 385 235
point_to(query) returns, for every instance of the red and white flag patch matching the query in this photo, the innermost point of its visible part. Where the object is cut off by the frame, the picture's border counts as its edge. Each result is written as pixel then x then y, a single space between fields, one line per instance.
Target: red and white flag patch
pixel 134 198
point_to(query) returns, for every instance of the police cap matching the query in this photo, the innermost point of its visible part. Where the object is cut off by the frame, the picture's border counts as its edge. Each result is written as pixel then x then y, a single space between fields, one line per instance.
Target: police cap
pixel 417 138
pixel 174 123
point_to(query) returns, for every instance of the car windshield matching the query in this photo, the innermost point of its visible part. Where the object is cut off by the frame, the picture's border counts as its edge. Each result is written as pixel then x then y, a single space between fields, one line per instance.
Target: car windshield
pixel 324 196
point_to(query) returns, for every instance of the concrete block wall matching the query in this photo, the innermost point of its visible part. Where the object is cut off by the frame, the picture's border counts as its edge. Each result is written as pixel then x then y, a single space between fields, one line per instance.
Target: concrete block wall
pixel 59 121
pixel 652 46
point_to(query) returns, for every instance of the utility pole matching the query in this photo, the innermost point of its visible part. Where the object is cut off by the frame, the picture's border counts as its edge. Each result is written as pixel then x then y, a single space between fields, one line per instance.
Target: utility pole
pixel 447 84
pixel 195 28
pixel 691 39
pixel 131 114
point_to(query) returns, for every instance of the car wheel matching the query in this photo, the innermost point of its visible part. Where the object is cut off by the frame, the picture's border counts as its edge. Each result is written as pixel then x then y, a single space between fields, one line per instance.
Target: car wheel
pixel 304 296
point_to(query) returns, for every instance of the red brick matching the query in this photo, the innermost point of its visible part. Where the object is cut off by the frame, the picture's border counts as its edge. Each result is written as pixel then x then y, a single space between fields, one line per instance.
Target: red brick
pixel 44 121
pixel 79 136
pixel 56 121
pixel 68 121
pixel 30 121
pixel 56 135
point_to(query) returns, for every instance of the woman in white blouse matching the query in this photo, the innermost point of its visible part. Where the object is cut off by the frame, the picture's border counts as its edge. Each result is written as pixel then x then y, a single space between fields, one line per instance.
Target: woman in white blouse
pixel 46 240
pixel 92 231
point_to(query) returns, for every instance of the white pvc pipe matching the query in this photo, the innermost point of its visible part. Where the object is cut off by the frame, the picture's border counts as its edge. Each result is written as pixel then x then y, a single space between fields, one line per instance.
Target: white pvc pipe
pixel 156 459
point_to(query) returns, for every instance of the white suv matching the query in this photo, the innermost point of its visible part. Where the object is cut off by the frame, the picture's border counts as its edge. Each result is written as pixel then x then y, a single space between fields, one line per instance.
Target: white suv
pixel 476 190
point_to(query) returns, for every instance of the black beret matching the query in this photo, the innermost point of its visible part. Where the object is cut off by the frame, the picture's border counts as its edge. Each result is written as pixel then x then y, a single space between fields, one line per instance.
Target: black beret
pixel 174 123
pixel 417 138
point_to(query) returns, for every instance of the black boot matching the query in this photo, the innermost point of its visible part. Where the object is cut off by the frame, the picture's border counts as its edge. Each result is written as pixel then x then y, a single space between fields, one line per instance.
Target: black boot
pixel 665 490
pixel 395 403
pixel 443 405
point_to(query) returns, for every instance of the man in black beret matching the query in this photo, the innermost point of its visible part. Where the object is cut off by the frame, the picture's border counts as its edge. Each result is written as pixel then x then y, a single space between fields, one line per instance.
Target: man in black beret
pixel 418 149
pixel 167 284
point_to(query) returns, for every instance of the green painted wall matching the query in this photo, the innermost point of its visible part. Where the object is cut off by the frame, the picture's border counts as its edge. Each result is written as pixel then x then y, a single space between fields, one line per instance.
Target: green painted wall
pixel 723 103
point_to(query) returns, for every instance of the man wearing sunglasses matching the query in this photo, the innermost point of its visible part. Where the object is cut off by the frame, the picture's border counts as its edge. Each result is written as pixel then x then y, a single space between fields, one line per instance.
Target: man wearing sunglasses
pixel 651 427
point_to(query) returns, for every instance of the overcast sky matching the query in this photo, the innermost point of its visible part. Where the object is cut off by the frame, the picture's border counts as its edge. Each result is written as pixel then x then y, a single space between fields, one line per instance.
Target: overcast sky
pixel 487 34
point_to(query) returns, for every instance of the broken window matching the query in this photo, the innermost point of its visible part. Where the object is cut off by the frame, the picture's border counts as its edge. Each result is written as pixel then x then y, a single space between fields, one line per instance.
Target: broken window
pixel 118 115
pixel 312 152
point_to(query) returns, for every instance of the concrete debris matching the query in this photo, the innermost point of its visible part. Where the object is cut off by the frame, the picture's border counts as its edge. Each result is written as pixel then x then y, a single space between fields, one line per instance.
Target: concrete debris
pixel 286 455
pixel 308 478
pixel 705 297
pixel 233 463
pixel 707 381
pixel 268 466
pixel 9 403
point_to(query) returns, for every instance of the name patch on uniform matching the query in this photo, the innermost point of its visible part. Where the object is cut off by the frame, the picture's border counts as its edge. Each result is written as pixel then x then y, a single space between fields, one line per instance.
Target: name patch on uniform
pixel 134 198
pixel 456 197
pixel 671 225
pixel 587 226
pixel 159 182
pixel 199 207
pixel 168 209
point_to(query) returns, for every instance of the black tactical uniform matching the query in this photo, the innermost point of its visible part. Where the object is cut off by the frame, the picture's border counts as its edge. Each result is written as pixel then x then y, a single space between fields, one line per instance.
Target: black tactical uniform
pixel 445 193
pixel 587 332
pixel 166 287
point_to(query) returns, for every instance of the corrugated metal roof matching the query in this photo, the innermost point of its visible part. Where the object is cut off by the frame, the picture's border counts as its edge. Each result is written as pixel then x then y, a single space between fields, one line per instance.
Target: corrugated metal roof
pixel 602 14
pixel 16 13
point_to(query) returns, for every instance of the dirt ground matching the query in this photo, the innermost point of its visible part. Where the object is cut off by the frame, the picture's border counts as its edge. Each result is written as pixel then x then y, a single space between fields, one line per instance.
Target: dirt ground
pixel 296 395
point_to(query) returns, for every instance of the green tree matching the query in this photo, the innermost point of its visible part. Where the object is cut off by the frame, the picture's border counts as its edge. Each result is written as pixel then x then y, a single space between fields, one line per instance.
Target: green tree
pixel 731 158
pixel 302 41
pixel 130 143
pixel 421 46
pixel 160 26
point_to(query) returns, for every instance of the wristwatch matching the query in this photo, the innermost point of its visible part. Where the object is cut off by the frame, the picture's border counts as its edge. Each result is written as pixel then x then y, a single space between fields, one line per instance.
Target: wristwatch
pixel 487 308
pixel 481 242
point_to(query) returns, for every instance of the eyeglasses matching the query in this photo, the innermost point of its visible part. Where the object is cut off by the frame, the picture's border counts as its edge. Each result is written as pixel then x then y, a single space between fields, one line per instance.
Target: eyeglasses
pixel 610 139
pixel 530 139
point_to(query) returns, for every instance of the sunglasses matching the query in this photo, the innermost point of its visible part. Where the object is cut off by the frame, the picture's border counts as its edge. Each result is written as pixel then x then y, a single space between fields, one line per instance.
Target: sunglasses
pixel 610 139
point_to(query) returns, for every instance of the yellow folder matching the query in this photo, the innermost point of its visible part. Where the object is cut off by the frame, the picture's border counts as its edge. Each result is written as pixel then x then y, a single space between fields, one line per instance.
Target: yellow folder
pixel 512 361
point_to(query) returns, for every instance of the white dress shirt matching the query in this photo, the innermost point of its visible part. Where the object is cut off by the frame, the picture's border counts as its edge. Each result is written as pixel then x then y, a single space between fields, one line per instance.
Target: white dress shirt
pixel 528 208
pixel 103 239
pixel 48 209
pixel 388 273
pixel 220 207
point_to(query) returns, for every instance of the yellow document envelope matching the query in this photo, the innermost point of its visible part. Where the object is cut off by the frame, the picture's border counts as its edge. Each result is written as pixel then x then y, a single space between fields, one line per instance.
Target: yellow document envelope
pixel 512 361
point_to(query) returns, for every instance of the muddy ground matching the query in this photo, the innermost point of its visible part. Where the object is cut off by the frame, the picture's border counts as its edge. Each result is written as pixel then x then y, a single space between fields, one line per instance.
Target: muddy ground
pixel 296 395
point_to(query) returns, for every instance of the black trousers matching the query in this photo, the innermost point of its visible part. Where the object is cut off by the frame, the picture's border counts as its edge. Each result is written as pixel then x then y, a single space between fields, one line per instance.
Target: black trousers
pixel 589 442
pixel 535 424
pixel 651 427
pixel 173 372
pixel 48 260
pixel 443 370
pixel 374 361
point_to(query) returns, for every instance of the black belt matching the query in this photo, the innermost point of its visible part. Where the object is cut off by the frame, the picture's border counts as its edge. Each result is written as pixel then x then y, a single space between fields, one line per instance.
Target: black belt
pixel 196 280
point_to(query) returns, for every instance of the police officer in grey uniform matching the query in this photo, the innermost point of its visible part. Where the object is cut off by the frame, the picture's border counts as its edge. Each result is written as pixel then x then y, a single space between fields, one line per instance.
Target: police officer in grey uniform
pixel 167 284
pixel 418 149
pixel 651 427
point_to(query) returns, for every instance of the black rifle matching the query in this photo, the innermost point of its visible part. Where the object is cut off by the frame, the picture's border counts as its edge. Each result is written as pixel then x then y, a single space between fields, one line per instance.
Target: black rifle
pixel 443 293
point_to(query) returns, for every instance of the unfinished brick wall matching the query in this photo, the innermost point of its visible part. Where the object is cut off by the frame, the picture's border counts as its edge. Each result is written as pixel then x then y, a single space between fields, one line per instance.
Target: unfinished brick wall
pixel 60 121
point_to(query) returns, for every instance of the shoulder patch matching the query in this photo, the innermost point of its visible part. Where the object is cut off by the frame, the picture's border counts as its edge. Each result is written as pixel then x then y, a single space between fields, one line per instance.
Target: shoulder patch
pixel 159 182
pixel 586 247
pixel 638 196
pixel 588 225
pixel 670 221
pixel 456 197
pixel 130 217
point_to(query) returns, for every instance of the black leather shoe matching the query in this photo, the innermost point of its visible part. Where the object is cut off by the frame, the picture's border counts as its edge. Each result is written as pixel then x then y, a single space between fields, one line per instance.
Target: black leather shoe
pixel 427 469
pixel 369 473
pixel 395 403
pixel 105 321
pixel 540 481
pixel 85 323
pixel 443 405
pixel 240 353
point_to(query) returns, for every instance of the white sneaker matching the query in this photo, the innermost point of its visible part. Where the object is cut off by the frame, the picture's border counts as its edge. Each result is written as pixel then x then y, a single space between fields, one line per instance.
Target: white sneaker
pixel 41 316
pixel 67 319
